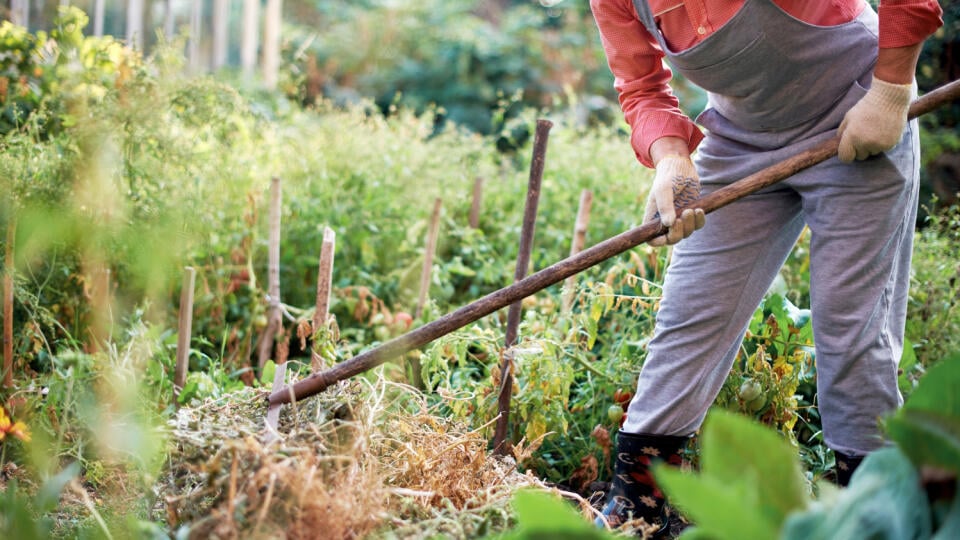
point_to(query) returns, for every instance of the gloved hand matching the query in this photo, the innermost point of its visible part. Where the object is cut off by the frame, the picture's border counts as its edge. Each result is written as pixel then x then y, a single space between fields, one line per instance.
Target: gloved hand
pixel 677 181
pixel 876 123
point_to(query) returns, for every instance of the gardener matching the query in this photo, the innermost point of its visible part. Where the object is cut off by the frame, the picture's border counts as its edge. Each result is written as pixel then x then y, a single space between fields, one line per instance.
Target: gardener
pixel 781 76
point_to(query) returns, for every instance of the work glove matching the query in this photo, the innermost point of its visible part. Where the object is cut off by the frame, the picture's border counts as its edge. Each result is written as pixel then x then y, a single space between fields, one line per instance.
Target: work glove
pixel 876 123
pixel 676 181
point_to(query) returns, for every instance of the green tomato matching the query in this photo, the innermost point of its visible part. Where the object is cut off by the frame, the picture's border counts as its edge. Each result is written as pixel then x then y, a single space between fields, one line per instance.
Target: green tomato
pixel 615 413
pixel 382 333
pixel 757 404
pixel 750 390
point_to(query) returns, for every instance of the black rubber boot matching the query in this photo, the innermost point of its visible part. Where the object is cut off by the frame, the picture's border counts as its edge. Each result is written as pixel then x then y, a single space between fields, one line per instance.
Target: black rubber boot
pixel 845 465
pixel 634 493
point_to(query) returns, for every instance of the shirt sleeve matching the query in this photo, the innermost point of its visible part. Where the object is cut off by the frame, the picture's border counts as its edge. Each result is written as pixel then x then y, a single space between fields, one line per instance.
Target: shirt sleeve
pixel 641 79
pixel 907 22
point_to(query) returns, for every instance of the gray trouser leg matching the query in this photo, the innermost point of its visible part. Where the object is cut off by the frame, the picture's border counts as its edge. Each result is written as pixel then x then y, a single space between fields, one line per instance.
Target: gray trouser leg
pixel 860 251
pixel 861 217
pixel 715 281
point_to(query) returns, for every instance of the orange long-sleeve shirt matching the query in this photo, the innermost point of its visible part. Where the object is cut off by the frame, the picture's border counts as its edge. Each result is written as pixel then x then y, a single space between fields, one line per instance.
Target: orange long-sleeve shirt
pixel 642 80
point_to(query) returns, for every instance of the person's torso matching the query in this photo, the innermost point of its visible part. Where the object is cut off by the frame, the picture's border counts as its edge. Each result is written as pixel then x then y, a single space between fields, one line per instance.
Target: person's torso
pixel 685 23
pixel 767 71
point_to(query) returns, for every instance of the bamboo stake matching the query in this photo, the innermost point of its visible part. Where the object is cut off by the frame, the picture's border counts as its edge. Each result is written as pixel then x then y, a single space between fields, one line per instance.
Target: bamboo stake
pixel 274 313
pixel 500 443
pixel 8 304
pixel 475 204
pixel 324 283
pixel 101 303
pixel 591 256
pixel 579 238
pixel 184 331
pixel 428 253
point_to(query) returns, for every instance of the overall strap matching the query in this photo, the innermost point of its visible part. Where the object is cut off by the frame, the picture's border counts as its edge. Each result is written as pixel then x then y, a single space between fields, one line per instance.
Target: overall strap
pixel 649 22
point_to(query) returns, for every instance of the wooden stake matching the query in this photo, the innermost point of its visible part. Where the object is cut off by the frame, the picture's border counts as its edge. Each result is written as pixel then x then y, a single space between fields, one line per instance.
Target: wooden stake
pixel 500 444
pixel 591 256
pixel 428 254
pixel 475 205
pixel 416 377
pixel 579 237
pixel 184 331
pixel 273 411
pixel 274 313
pixel 8 304
pixel 101 303
pixel 324 284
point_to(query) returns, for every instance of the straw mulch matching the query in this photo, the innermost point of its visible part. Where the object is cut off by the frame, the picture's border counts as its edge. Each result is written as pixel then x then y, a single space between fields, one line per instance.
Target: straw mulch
pixel 362 459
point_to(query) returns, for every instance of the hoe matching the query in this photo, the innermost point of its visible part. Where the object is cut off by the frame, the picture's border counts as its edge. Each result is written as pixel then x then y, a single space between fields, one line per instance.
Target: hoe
pixel 317 382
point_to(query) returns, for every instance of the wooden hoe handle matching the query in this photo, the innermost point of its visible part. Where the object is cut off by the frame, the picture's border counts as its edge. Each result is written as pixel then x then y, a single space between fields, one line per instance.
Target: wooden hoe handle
pixel 317 382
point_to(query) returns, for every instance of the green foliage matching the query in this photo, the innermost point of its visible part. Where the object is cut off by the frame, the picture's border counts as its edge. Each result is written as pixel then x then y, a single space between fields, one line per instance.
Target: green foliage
pixel 26 516
pixel 775 360
pixel 750 484
pixel 884 501
pixel 933 309
pixel 54 77
pixel 927 427
pixel 750 480
pixel 543 515
pixel 445 53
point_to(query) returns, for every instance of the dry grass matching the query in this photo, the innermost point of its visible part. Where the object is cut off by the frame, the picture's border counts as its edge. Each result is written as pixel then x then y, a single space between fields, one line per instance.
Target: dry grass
pixel 363 459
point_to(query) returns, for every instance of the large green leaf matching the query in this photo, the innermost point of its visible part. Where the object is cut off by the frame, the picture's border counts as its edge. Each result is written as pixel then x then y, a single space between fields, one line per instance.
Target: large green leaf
pixel 750 480
pixel 927 438
pixel 721 510
pixel 738 450
pixel 884 501
pixel 544 515
pixel 927 427
pixel 939 389
pixel 908 360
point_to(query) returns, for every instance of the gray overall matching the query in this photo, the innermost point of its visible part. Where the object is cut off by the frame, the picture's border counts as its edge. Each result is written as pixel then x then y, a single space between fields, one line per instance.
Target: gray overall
pixel 776 87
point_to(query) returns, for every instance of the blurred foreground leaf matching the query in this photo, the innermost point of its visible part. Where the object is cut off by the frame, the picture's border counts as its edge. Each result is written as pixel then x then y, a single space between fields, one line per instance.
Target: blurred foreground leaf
pixel 927 427
pixel 735 496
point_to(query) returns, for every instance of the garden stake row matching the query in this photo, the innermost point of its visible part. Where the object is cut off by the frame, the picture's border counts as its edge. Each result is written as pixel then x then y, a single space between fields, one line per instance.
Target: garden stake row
pixel 184 330
pixel 523 262
pixel 579 238
pixel 596 254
